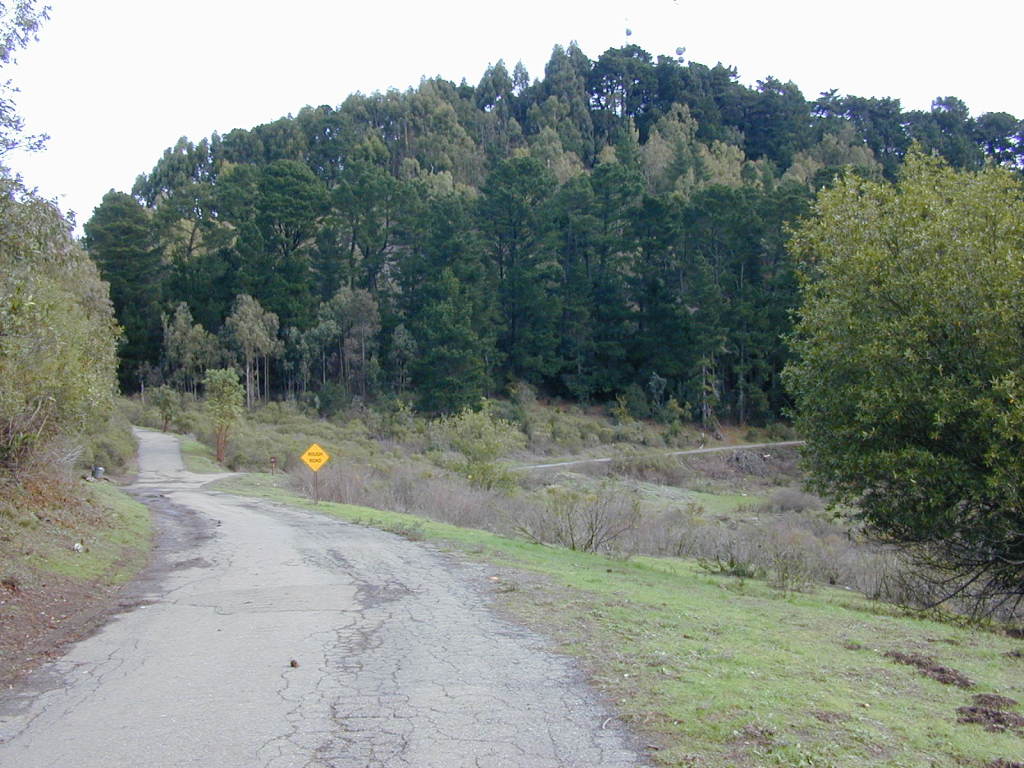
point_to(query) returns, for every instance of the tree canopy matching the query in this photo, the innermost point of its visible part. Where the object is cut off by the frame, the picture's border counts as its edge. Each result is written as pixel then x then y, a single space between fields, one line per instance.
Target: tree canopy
pixel 613 220
pixel 57 334
pixel 908 373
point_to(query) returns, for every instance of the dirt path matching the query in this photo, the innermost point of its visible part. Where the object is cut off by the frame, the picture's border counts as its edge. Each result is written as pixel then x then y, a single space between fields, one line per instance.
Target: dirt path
pixel 689 452
pixel 269 637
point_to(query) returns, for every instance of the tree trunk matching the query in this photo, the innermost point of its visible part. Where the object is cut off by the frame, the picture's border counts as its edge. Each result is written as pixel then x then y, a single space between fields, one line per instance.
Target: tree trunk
pixel 248 381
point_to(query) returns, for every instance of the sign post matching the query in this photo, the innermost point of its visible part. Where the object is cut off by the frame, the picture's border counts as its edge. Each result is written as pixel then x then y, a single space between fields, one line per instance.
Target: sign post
pixel 315 457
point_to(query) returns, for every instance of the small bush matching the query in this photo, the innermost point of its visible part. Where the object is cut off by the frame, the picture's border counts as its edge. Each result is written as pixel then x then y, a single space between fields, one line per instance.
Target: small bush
pixel 791 500
pixel 792 557
pixel 168 403
pixel 664 470
pixel 139 413
pixel 113 447
pixel 780 431
pixel 668 533
pixel 634 400
pixel 588 522
pixel 438 496
pixel 481 438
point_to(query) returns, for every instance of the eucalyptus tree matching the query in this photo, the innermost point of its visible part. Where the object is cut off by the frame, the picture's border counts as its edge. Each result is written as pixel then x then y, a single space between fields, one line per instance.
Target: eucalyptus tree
pixel 58 336
pixel 189 349
pixel 19 23
pixel 253 330
pixel 224 404
pixel 349 322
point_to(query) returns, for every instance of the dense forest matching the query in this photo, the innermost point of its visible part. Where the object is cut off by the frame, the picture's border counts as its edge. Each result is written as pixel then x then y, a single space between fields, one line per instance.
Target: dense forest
pixel 616 228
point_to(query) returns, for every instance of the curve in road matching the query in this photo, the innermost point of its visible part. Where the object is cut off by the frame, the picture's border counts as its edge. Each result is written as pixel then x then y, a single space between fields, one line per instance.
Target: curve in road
pixel 272 637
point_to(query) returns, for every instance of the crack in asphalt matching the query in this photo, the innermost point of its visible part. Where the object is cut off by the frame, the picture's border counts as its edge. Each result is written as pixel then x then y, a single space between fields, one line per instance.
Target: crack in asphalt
pixel 272 637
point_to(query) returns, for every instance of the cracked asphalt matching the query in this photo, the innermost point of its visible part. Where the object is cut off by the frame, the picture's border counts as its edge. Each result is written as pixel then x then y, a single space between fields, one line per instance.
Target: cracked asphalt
pixel 271 637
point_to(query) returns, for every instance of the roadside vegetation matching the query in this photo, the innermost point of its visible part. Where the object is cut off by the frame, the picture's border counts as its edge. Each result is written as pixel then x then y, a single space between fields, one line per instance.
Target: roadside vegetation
pixel 62 543
pixel 61 567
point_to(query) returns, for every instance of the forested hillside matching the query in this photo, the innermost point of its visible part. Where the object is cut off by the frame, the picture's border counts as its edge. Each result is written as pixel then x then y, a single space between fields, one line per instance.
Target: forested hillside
pixel 613 228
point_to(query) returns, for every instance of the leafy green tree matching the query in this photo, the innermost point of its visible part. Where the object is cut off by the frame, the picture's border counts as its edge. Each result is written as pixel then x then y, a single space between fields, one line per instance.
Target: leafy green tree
pixel 349 322
pixel 403 352
pixel 949 130
pixel 277 237
pixel 622 84
pixel 224 399
pixel 482 438
pixel 564 95
pixel 908 366
pixel 167 402
pixel 776 122
pixel 368 202
pixel 189 348
pixel 1001 137
pixel 254 331
pixel 57 333
pixel 515 217
pixel 879 121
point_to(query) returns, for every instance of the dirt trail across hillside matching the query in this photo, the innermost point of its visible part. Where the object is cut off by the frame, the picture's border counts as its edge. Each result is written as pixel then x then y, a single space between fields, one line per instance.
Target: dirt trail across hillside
pixel 266 636
pixel 688 452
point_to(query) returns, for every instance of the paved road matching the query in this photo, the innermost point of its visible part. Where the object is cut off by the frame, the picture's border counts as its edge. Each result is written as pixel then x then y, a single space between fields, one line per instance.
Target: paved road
pixel 400 661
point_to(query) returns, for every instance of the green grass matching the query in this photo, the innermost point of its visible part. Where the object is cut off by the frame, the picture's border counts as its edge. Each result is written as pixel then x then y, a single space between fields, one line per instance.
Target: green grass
pixel 724 672
pixel 115 545
pixel 198 457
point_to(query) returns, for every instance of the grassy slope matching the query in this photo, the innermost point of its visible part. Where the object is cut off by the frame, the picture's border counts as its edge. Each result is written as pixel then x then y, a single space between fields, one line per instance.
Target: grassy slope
pixel 51 594
pixel 719 672
pixel 114 531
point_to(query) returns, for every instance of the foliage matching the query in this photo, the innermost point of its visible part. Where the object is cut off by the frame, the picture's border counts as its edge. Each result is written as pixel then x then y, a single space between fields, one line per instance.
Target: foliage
pixel 481 438
pixel 909 362
pixel 111 446
pixel 19 22
pixel 224 399
pixel 613 225
pixel 168 402
pixel 253 330
pixel 119 238
pixel 190 349
pixel 57 333
pixel 587 522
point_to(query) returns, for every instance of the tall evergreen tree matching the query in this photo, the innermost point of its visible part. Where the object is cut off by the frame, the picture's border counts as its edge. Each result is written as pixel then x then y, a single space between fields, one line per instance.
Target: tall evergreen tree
pixel 516 222
pixel 120 238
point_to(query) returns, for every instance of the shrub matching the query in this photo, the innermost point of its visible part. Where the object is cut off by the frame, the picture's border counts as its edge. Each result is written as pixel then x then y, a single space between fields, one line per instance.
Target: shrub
pixel 664 470
pixel 113 447
pixel 589 522
pixel 167 402
pixel 791 555
pixel 634 400
pixel 481 438
pixel 780 431
pixel 420 491
pixel 792 500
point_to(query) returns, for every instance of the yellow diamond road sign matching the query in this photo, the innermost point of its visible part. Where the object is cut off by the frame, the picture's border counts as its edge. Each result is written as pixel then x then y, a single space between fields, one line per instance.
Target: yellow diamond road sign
pixel 315 457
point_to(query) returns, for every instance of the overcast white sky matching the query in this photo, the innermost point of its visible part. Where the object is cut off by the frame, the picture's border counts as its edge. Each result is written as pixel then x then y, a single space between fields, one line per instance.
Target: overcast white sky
pixel 115 82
